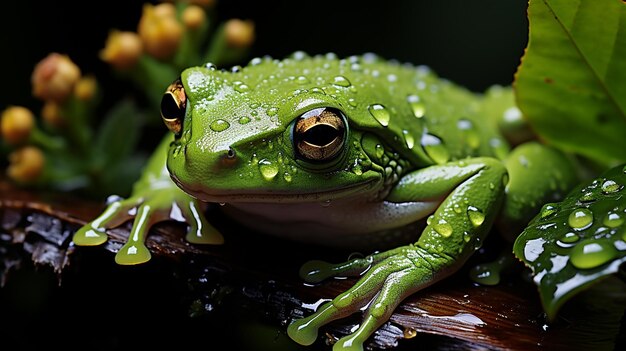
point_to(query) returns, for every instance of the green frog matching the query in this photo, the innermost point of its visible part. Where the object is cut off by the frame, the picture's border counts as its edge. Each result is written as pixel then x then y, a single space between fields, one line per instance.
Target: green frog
pixel 342 152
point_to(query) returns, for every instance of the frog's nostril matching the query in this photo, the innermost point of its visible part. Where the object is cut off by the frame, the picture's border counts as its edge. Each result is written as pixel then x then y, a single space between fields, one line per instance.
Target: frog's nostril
pixel 231 154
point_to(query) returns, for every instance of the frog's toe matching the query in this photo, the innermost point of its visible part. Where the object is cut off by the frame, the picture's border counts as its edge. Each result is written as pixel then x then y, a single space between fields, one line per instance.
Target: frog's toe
pixel 132 253
pixel 93 233
pixel 89 236
pixel 315 271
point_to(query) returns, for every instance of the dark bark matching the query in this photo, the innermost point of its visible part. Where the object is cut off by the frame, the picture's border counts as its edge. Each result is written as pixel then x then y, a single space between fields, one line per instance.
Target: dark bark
pixel 247 290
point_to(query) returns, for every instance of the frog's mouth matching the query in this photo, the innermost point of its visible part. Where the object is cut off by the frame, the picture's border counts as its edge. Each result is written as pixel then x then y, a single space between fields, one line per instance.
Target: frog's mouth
pixel 276 196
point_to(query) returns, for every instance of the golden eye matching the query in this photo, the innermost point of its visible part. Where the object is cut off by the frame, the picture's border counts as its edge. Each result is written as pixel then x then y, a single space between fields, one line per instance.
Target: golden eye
pixel 173 106
pixel 319 135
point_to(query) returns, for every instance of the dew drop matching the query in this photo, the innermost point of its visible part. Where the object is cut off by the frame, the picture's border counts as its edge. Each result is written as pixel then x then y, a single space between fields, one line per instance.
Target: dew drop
pixel 268 169
pixel 409 333
pixel 244 120
pixel 408 139
pixel 416 105
pixel 592 254
pixel 352 102
pixel 475 216
pixel 302 80
pixel 457 208
pixel 580 219
pixel 434 148
pixel 548 210
pixel 219 125
pixel 443 228
pixel 341 81
pixel 610 186
pixel 380 113
pixel 587 197
pixel 613 220
pixel 287 177
pixel 570 238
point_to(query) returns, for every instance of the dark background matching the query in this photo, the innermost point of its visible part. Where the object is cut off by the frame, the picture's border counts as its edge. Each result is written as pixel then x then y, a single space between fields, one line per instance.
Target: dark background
pixel 475 43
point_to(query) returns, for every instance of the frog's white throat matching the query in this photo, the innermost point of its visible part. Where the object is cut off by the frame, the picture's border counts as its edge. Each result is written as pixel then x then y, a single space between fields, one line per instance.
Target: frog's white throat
pixel 331 220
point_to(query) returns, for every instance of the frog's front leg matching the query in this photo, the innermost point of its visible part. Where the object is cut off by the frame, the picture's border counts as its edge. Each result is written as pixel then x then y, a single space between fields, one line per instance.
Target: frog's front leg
pixel 471 191
pixel 155 198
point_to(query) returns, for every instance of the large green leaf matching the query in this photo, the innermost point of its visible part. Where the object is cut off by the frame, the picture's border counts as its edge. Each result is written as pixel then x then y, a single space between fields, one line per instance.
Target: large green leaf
pixel 571 82
pixel 573 244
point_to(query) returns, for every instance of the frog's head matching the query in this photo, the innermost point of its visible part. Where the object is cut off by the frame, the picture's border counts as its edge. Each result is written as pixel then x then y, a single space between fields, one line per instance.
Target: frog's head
pixel 274 131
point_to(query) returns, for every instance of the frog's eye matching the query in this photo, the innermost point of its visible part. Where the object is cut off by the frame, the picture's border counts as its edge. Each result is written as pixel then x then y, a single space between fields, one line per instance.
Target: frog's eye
pixel 318 135
pixel 173 106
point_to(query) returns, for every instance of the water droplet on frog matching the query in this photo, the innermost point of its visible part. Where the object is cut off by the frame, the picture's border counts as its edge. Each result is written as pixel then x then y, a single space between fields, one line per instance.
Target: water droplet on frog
pixel 268 169
pixel 467 237
pixel 244 120
pixel 256 61
pixel 416 105
pixel 475 216
pixel 272 111
pixel 341 81
pixel 610 186
pixel 236 69
pixel 219 125
pixel 457 208
pixel 287 177
pixel 580 219
pixel 352 102
pixel 380 113
pixel 299 55
pixel 469 132
pixel 434 148
pixel 379 151
pixel 587 255
pixel 613 220
pixel 408 139
pixel 210 65
pixel 430 219
pixel 302 80
pixel 357 170
pixel 241 88
pixel 548 210
pixel 443 228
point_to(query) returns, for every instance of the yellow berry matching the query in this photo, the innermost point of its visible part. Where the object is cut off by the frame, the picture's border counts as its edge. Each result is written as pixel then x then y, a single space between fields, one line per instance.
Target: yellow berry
pixel 16 124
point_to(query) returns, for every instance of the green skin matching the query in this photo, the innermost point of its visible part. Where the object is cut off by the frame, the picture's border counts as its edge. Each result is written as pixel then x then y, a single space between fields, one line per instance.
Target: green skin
pixel 416 147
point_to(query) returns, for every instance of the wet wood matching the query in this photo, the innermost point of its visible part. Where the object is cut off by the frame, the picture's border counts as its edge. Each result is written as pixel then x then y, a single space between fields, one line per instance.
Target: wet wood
pixel 258 275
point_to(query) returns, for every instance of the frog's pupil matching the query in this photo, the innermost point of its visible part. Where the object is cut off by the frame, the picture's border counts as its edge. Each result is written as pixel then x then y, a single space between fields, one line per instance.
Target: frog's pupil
pixel 169 107
pixel 320 135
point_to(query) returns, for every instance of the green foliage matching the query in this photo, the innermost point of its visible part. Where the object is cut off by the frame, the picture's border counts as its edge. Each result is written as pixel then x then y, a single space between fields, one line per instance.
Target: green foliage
pixel 575 243
pixel 570 85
